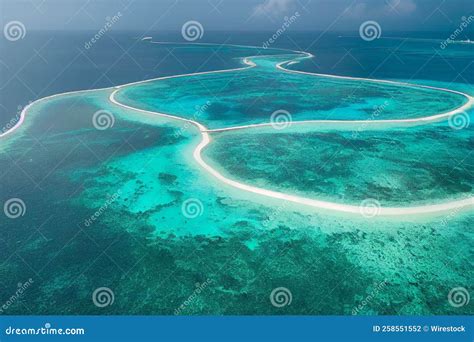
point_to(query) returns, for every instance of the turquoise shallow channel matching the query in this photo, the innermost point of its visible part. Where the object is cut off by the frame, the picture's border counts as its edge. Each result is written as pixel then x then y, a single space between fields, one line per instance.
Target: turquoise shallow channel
pixel 167 226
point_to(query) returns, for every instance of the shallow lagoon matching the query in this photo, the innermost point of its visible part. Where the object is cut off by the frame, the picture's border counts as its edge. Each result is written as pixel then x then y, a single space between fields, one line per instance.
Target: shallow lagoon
pixel 398 167
pixel 152 255
pixel 251 95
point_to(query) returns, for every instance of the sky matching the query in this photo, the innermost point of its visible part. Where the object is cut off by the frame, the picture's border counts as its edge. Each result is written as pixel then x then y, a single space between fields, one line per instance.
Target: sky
pixel 236 15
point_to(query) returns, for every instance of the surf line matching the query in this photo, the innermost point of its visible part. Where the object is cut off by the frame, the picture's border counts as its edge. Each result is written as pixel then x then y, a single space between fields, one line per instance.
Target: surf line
pixel 206 139
pixel 324 205
pixel 250 64
pixel 352 209
pixel 304 55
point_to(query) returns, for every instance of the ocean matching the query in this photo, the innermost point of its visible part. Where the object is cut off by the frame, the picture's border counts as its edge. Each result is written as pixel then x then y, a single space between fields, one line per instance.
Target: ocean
pixel 113 199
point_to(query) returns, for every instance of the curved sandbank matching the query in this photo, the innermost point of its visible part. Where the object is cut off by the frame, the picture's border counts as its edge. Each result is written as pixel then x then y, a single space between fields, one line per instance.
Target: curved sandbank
pixel 384 211
pixel 250 64
pixel 338 207
pixel 300 55
pixel 352 209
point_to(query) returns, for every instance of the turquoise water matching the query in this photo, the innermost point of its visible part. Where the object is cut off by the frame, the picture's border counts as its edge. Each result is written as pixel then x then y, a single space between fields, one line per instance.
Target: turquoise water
pixel 140 172
pixel 251 96
pixel 398 167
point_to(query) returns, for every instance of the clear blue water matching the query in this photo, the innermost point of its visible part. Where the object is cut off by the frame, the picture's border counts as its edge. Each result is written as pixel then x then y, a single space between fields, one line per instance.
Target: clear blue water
pixel 150 254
